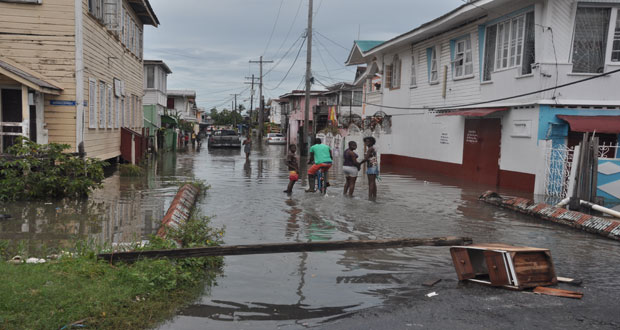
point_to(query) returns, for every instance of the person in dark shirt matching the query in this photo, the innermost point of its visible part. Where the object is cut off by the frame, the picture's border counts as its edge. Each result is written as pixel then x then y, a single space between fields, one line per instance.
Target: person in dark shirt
pixel 293 167
pixel 350 167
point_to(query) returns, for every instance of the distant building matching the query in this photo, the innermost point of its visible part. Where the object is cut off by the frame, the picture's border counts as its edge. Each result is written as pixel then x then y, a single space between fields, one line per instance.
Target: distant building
pixel 293 104
pixel 71 71
pixel 155 93
pixel 183 104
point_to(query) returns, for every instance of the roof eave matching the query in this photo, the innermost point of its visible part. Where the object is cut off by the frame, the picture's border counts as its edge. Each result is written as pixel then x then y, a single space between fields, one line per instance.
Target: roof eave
pixel 144 11
pixel 474 5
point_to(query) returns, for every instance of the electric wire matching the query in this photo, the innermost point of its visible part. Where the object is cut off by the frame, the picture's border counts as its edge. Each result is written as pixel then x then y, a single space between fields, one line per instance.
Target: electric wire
pixel 291 68
pixel 457 106
pixel 283 57
pixel 290 28
pixel 330 40
pixel 275 23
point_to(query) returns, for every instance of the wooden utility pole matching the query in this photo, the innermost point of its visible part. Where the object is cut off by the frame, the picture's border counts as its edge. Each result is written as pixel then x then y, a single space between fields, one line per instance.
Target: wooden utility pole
pixel 235 109
pixel 235 250
pixel 304 146
pixel 251 96
pixel 261 114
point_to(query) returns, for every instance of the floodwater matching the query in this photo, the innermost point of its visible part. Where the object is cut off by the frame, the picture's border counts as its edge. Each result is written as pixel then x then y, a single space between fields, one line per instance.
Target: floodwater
pixel 319 289
pixel 297 290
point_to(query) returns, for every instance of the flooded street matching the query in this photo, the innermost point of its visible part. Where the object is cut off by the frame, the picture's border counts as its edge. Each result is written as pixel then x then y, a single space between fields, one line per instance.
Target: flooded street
pixel 323 290
pixel 339 289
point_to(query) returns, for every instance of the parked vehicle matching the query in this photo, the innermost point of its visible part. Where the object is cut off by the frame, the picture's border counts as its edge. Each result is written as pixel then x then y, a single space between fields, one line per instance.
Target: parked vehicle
pixel 224 138
pixel 275 138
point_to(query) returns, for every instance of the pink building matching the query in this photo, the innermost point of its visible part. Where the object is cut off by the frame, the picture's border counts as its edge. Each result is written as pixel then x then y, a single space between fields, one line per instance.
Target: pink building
pixel 293 105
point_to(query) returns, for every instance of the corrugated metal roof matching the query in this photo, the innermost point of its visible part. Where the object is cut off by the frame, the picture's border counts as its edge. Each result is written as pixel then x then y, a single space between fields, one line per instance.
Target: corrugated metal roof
pixel 366 45
pixel 38 81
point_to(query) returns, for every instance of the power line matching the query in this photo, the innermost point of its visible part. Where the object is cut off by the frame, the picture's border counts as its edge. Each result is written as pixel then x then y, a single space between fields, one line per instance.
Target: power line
pixel 283 56
pixel 275 23
pixel 290 28
pixel 330 40
pixel 332 56
pixel 322 60
pixel 292 65
pixel 498 99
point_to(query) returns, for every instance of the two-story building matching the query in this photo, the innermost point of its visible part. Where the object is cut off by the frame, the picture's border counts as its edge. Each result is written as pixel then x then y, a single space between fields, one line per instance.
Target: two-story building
pixel 294 104
pixel 183 104
pixel 71 71
pixel 485 90
pixel 155 94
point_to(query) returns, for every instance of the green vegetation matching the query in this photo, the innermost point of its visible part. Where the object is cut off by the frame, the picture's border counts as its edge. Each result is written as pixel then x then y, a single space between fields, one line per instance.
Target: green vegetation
pixel 35 171
pixel 227 117
pixel 130 170
pixel 78 287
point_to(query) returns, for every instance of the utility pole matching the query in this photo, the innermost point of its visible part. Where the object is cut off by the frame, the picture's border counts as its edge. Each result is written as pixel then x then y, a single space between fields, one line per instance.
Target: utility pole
pixel 261 121
pixel 234 110
pixel 251 96
pixel 304 146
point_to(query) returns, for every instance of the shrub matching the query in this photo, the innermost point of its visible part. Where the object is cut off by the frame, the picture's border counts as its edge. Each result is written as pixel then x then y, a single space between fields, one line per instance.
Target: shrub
pixel 35 171
pixel 130 170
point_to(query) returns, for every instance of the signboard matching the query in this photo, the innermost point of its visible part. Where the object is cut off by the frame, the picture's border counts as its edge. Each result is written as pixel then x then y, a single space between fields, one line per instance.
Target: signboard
pixel 63 103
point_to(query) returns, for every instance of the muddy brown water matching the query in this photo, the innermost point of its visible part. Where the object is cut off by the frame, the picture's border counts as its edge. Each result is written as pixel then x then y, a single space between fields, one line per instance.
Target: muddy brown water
pixel 323 290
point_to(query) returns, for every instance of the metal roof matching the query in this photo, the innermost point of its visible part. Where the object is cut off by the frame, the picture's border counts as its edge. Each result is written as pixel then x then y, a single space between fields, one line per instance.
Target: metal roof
pixel 366 45
pixel 36 82
pixel 158 63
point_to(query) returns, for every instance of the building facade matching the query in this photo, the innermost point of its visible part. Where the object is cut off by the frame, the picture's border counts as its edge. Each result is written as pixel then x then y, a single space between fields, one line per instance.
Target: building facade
pixel 479 92
pixel 78 65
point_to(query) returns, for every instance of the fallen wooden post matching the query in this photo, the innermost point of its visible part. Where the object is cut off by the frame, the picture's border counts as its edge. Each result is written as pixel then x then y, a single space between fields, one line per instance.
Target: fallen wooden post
pixel 233 250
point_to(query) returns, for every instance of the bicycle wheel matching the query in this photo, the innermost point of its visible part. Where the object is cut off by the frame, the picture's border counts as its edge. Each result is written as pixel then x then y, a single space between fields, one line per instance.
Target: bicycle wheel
pixel 323 185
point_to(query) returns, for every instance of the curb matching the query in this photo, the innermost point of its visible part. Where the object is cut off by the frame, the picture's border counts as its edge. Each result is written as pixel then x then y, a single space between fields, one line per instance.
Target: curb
pixel 605 227
pixel 180 209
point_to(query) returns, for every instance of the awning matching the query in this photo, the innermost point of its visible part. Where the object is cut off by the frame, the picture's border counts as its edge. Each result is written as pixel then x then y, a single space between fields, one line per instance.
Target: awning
pixel 473 112
pixel 23 76
pixel 600 124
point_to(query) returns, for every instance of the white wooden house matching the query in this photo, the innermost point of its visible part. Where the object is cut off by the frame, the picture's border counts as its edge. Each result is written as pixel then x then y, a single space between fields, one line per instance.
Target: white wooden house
pixel 78 64
pixel 155 92
pixel 183 104
pixel 452 87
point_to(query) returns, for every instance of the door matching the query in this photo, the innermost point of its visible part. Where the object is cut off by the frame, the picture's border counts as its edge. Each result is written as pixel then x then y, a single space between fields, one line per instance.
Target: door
pixel 481 150
pixel 11 113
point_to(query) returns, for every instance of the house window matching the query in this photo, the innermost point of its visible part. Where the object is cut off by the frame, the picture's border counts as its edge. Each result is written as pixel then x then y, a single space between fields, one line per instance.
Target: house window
pixel 92 103
pixel 95 7
pixel 123 26
pixel 615 51
pixel 593 44
pixel 357 98
pixel 388 76
pixel 117 104
pixel 413 82
pixel 463 59
pixel 396 68
pixel 509 44
pixel 123 112
pixel 150 76
pixel 433 65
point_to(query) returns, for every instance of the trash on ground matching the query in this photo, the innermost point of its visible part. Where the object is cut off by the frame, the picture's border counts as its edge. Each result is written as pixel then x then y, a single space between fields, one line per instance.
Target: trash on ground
pixel 569 280
pixel 16 260
pixel 431 282
pixel 558 292
pixel 432 294
pixel 513 267
pixel 35 261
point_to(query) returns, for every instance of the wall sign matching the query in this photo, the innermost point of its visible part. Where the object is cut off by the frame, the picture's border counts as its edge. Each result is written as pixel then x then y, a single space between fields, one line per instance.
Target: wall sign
pixel 444 138
pixel 472 136
pixel 63 103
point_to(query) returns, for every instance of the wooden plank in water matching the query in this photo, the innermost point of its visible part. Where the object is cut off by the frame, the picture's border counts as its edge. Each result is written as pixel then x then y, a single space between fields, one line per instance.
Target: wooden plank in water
pixel 558 292
pixel 232 250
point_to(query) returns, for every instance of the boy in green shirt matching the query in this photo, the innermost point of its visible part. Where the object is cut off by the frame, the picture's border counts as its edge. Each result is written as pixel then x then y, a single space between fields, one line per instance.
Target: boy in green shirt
pixel 321 158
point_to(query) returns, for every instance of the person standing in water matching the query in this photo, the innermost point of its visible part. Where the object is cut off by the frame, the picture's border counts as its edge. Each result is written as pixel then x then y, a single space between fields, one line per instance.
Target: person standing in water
pixel 350 167
pixel 373 167
pixel 293 167
pixel 247 145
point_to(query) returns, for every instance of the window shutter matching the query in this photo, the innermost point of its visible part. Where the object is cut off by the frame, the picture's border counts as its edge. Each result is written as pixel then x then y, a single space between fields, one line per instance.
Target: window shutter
pixel 388 76
pixel 122 112
pixel 102 106
pixel 110 14
pixel 92 103
pixel 110 106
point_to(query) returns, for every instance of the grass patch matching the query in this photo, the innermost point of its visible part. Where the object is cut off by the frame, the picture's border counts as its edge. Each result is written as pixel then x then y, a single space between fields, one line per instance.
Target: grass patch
pixel 130 170
pixel 106 296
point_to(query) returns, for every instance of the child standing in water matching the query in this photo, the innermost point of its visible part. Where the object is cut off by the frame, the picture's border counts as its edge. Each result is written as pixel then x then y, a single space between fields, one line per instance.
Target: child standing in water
pixel 373 167
pixel 293 167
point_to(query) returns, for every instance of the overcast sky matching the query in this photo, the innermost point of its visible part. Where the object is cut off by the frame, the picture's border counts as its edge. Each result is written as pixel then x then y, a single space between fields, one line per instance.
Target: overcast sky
pixel 208 43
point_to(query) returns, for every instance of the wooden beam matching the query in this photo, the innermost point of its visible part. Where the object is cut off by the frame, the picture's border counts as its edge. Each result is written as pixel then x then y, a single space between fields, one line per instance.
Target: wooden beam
pixel 233 250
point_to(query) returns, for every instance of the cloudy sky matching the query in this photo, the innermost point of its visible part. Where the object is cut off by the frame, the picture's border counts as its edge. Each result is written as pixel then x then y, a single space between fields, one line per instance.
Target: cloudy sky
pixel 208 43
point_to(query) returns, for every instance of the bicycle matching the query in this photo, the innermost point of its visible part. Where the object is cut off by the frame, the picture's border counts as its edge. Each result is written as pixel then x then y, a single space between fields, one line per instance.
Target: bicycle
pixel 321 181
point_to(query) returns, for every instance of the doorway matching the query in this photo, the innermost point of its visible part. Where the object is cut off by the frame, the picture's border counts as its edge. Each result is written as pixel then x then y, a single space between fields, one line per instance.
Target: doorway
pixel 481 150
pixel 11 113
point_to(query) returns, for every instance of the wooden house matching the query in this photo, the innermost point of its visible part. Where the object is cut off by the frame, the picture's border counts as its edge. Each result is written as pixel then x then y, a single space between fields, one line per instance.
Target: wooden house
pixel 71 71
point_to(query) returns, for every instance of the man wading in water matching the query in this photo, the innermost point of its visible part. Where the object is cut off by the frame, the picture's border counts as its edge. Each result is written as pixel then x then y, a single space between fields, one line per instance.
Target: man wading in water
pixel 321 156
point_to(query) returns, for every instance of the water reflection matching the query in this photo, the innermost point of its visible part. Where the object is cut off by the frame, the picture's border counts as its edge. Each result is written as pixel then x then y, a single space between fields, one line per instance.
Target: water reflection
pixel 124 210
